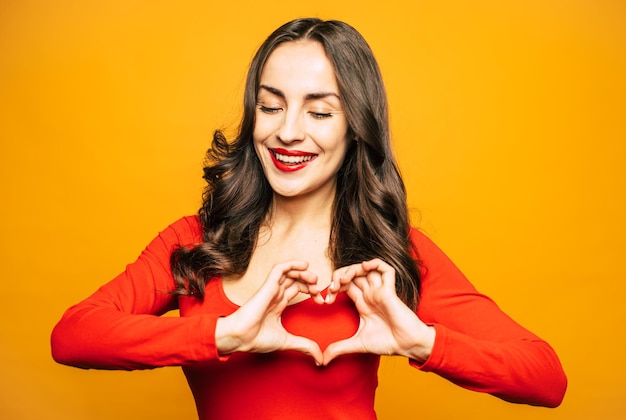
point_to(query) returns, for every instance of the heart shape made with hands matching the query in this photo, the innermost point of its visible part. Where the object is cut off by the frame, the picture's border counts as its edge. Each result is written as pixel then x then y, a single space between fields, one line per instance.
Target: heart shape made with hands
pixel 361 319
pixel 324 324
pixel 342 320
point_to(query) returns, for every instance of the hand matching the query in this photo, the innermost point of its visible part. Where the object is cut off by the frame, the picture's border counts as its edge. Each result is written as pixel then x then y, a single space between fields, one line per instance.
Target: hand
pixel 256 326
pixel 387 326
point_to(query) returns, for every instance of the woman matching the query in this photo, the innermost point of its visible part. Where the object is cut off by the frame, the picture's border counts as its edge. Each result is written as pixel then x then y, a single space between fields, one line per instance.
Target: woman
pixel 301 268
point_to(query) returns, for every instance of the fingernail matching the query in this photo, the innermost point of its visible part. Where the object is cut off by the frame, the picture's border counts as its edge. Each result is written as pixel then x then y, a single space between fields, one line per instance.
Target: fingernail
pixel 332 284
pixel 327 298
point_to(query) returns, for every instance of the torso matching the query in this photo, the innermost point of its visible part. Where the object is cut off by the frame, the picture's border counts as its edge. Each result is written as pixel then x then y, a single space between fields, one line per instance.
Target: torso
pixel 287 384
pixel 273 248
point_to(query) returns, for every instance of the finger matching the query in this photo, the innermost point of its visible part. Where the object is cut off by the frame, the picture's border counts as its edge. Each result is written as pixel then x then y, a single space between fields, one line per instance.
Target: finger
pixel 344 275
pixel 371 290
pixel 281 269
pixel 374 279
pixel 389 278
pixel 338 348
pixel 362 283
pixel 304 345
pixel 356 295
pixel 277 276
pixel 378 265
pixel 387 272
pixel 305 277
pixel 339 281
pixel 293 290
pixel 310 283
pixel 310 289
pixel 297 288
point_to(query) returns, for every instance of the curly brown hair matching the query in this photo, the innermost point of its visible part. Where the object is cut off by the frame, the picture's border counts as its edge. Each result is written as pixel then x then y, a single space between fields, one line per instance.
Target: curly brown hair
pixel 370 217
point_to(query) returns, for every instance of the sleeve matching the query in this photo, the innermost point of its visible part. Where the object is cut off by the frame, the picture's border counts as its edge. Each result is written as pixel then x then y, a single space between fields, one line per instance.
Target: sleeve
pixel 120 326
pixel 478 346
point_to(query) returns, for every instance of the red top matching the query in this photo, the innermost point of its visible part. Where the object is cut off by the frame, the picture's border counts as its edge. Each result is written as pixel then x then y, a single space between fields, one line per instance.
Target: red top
pixel 477 346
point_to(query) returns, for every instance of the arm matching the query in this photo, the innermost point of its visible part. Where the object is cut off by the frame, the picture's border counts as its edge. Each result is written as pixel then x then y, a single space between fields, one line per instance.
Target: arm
pixel 478 346
pixel 120 327
pixel 457 332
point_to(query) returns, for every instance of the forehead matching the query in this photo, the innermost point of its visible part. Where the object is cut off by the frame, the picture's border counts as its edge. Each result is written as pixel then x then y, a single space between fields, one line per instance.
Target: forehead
pixel 300 67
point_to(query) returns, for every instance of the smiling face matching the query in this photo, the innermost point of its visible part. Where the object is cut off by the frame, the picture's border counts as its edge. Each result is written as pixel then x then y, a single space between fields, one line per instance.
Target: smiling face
pixel 301 132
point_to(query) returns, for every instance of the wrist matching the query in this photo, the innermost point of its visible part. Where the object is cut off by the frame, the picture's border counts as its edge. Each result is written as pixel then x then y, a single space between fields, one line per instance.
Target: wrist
pixel 227 340
pixel 420 352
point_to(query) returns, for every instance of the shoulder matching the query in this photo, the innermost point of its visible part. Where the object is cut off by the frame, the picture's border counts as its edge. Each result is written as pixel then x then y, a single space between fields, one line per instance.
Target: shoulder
pixel 423 245
pixel 417 236
pixel 433 261
pixel 185 231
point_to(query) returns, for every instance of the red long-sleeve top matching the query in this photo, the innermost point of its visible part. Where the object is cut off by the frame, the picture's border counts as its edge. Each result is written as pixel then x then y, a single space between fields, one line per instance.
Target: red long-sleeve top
pixel 477 346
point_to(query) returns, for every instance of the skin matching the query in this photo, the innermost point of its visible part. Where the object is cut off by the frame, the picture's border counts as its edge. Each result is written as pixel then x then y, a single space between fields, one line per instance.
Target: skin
pixel 299 112
pixel 301 138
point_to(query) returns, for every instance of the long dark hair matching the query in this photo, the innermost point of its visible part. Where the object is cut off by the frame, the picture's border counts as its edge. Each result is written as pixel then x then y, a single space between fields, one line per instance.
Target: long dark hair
pixel 370 217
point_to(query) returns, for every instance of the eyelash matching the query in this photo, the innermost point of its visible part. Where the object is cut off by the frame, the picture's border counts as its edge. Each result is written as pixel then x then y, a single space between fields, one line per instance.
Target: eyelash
pixel 269 110
pixel 321 115
pixel 316 115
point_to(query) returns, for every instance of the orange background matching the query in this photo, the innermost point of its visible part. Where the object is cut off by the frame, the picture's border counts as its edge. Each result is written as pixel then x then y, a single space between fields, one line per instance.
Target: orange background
pixel 509 124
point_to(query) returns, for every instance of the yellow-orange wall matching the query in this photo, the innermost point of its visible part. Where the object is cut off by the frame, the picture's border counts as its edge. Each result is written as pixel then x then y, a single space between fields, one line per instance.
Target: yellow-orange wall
pixel 509 119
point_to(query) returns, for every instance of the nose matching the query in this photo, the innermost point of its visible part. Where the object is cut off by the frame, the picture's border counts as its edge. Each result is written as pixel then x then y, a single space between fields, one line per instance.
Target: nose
pixel 291 128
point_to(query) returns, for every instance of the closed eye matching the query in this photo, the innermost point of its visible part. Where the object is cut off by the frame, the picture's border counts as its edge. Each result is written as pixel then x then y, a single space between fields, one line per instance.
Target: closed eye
pixel 321 115
pixel 269 110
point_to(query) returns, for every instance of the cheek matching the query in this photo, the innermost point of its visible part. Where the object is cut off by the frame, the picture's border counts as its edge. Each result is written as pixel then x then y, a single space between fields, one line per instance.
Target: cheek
pixel 346 146
pixel 263 128
pixel 258 140
pixel 337 139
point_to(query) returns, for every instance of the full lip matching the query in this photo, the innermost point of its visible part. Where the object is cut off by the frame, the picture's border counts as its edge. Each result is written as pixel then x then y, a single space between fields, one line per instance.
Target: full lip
pixel 302 159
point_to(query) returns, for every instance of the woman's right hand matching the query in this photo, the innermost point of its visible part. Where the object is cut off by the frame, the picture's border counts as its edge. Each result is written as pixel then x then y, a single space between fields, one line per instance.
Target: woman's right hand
pixel 256 326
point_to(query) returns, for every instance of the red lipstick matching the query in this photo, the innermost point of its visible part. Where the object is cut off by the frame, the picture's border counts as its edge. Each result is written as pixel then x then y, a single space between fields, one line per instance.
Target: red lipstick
pixel 290 160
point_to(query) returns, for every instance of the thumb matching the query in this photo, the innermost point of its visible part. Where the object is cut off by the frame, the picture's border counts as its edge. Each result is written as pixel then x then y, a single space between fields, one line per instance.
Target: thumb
pixel 338 348
pixel 305 345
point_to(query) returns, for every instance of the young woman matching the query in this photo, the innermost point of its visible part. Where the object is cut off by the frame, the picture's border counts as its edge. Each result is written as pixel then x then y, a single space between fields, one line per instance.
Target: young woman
pixel 301 268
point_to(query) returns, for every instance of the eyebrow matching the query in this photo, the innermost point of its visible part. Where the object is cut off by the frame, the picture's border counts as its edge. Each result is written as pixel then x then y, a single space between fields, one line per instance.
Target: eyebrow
pixel 309 96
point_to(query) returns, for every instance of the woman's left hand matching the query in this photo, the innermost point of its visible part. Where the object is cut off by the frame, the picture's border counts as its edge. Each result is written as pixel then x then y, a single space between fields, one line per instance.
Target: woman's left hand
pixel 387 326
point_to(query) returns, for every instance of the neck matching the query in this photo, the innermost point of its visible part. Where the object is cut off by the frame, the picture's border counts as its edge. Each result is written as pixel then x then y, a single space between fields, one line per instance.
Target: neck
pixel 293 214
